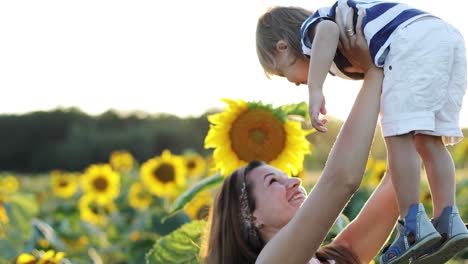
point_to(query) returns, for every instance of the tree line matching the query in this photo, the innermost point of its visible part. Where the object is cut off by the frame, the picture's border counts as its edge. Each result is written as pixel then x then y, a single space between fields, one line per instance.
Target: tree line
pixel 69 139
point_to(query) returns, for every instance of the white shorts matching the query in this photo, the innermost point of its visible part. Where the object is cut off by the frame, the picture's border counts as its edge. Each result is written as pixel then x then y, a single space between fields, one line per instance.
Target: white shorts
pixel 425 81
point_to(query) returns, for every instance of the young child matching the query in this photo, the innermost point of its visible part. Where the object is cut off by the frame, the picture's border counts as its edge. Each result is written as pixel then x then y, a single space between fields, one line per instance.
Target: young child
pixel 424 62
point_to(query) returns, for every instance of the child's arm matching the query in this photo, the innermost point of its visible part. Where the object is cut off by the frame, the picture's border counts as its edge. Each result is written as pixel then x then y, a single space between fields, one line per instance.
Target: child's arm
pixel 324 36
pixel 368 232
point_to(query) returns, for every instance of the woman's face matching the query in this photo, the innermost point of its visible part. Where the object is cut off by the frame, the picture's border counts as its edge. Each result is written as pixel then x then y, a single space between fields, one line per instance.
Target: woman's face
pixel 277 197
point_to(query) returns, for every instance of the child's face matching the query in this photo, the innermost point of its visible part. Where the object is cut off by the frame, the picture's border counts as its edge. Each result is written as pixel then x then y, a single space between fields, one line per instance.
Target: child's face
pixel 295 69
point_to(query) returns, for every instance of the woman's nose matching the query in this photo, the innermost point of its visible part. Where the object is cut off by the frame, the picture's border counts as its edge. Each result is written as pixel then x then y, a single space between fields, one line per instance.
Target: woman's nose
pixel 294 182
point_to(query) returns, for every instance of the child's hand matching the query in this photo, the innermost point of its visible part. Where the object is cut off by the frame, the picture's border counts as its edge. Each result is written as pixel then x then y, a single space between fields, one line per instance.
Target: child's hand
pixel 317 107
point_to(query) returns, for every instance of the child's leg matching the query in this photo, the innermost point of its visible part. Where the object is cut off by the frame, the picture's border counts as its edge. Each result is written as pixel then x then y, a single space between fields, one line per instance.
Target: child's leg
pixel 440 170
pixel 441 175
pixel 415 231
pixel 405 165
pixel 422 93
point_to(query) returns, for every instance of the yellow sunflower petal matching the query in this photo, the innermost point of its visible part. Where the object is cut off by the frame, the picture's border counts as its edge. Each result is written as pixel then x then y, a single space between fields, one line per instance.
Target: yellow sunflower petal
pixel 25 258
pixel 121 160
pixel 9 184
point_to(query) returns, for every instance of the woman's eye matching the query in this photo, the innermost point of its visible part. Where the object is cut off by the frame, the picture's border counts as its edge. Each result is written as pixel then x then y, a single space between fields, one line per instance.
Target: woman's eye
pixel 273 180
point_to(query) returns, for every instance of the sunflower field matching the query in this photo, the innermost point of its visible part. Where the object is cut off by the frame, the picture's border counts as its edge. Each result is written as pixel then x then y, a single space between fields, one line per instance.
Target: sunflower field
pixel 156 210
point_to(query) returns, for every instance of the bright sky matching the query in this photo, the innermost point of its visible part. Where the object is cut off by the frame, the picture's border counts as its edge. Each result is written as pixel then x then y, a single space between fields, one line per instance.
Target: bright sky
pixel 179 56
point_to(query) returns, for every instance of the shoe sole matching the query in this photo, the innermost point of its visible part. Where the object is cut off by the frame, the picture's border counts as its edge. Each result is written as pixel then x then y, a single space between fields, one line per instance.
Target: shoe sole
pixel 417 250
pixel 446 251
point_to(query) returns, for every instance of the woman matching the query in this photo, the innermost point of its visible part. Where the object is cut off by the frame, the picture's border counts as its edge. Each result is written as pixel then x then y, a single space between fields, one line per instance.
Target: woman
pixel 263 216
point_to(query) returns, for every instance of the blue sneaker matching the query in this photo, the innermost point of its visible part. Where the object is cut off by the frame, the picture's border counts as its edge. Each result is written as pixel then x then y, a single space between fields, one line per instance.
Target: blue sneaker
pixel 454 238
pixel 415 235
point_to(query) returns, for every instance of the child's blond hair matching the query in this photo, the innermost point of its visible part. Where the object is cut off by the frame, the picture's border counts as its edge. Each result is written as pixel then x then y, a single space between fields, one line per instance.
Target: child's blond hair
pixel 279 23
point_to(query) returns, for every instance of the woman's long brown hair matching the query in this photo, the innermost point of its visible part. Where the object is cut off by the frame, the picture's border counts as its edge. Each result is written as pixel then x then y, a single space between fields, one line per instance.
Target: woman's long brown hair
pixel 224 242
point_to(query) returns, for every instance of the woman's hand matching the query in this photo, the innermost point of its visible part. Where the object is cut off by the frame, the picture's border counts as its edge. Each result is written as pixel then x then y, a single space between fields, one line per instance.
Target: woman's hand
pixel 352 44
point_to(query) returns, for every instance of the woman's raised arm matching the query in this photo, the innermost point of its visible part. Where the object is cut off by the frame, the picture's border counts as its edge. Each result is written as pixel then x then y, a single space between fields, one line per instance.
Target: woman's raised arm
pixel 368 232
pixel 302 236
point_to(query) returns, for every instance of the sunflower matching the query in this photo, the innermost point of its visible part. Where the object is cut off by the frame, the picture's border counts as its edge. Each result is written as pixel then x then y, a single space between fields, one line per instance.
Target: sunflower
pixel 77 243
pixel 210 165
pixel 198 207
pixel 195 164
pixel 102 182
pixel 370 163
pixel 43 243
pixel 9 184
pixel 248 131
pixel 135 236
pixel 377 171
pixel 95 212
pixel 3 213
pixel 301 175
pixel 138 197
pixel 425 196
pixel 64 184
pixel 49 257
pixel 164 175
pixel 121 160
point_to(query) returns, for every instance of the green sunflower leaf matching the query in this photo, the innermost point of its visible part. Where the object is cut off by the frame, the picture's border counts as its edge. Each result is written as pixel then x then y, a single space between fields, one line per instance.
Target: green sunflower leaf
pixel 300 109
pixel 180 246
pixel 187 196
pixel 340 223
pixel 42 230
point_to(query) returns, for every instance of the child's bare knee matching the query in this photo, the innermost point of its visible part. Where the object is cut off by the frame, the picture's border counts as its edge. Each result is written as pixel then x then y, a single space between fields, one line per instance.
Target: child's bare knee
pixel 427 145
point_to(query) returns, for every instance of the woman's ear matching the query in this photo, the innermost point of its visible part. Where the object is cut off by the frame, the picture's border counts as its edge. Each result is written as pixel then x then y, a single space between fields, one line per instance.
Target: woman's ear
pixel 257 221
pixel 281 46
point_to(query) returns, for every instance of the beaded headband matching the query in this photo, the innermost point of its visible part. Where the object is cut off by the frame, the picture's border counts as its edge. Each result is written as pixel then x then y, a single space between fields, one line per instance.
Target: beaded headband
pixel 246 218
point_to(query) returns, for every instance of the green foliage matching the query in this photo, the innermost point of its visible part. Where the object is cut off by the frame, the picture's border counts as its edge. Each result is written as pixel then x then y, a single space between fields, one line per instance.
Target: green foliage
pixel 42 230
pixel 7 250
pixel 341 222
pixel 300 109
pixel 181 246
pixel 188 195
pixel 357 201
pixel 21 208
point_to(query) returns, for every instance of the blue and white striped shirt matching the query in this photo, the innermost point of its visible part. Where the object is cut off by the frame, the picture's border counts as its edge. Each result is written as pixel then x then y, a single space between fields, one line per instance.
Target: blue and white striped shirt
pixel 381 20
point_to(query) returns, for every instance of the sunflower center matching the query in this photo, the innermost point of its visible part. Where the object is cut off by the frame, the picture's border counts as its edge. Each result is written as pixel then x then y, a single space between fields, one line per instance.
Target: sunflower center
pixel 94 208
pixel 142 196
pixel 63 184
pixel 191 165
pixel 257 134
pixel 100 184
pixel 165 173
pixel 380 175
pixel 203 211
